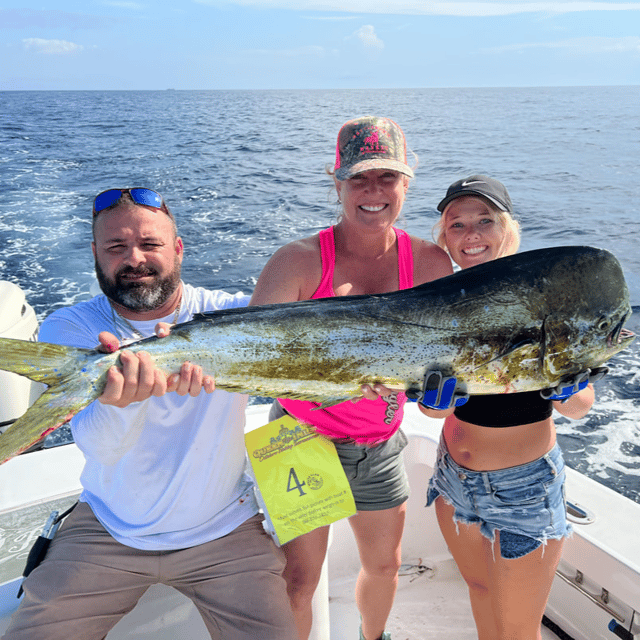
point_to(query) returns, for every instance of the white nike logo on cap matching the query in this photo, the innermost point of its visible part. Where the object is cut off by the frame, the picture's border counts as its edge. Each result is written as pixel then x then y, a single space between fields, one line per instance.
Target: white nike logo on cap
pixel 470 182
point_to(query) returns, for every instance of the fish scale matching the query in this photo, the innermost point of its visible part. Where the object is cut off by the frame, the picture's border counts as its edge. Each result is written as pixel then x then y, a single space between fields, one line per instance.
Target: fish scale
pixel 516 324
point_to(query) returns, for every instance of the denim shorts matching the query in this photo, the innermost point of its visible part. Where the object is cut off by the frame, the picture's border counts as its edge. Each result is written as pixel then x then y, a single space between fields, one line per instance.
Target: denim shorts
pixel 376 474
pixel 525 503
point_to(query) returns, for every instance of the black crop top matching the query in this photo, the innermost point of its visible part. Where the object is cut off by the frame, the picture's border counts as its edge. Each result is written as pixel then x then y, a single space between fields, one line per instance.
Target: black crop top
pixel 505 410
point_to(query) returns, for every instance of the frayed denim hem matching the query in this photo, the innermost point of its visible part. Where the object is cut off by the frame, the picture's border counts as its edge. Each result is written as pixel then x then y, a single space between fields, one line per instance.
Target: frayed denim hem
pixel 513 545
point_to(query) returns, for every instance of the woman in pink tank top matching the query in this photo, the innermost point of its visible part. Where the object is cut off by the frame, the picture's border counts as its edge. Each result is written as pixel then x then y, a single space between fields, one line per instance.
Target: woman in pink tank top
pixel 362 254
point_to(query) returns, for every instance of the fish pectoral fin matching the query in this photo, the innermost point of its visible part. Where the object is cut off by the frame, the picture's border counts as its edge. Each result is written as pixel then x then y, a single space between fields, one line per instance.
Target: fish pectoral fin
pixel 518 361
pixel 524 350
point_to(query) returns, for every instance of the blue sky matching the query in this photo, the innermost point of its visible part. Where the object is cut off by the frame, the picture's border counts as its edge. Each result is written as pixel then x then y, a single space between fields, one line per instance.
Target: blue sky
pixel 316 44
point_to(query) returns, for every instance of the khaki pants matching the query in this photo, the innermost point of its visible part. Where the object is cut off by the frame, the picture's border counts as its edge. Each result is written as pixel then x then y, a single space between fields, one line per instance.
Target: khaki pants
pixel 88 582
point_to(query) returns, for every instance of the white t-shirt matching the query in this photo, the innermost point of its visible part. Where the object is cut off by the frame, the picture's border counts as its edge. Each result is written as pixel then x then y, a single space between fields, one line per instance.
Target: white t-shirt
pixel 168 472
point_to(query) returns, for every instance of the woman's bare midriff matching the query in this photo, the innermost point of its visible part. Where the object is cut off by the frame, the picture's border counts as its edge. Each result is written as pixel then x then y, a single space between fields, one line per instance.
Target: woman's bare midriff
pixel 488 449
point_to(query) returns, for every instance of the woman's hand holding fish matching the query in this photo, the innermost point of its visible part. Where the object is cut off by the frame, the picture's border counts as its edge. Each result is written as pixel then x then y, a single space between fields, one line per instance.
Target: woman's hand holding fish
pixel 377 390
pixel 577 405
pixel 574 396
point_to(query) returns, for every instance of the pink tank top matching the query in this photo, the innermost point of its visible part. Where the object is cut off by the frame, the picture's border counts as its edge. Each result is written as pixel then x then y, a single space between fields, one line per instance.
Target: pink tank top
pixel 364 421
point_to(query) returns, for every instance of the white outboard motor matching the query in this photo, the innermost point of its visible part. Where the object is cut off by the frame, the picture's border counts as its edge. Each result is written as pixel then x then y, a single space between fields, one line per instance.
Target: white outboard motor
pixel 17 320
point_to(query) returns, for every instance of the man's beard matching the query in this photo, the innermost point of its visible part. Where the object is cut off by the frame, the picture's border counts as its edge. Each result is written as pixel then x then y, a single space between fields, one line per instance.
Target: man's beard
pixel 139 296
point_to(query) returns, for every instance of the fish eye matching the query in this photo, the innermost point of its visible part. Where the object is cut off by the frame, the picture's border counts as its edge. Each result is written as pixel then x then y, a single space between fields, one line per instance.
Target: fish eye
pixel 603 324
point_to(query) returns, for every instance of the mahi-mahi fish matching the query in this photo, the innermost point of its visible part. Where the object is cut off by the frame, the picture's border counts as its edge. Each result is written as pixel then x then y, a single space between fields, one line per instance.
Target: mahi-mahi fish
pixel 520 323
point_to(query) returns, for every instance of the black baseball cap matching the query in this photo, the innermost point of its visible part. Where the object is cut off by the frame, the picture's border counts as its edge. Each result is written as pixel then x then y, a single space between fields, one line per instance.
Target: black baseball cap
pixel 479 185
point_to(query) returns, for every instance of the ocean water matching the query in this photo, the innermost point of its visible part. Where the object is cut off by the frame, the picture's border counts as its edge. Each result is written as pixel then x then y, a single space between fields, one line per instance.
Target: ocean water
pixel 243 171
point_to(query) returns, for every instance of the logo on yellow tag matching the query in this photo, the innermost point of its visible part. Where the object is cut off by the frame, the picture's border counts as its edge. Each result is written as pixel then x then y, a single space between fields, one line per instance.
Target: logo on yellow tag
pixel 286 438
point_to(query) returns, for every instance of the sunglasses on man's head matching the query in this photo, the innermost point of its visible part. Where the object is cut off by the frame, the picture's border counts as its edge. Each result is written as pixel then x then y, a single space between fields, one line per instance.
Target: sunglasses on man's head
pixel 139 195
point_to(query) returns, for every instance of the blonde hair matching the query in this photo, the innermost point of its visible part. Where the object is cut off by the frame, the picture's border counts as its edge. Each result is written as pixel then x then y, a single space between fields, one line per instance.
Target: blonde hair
pixel 509 225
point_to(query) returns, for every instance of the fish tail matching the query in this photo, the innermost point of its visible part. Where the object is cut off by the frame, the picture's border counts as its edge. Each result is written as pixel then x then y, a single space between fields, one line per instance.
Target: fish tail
pixel 38 361
pixel 68 392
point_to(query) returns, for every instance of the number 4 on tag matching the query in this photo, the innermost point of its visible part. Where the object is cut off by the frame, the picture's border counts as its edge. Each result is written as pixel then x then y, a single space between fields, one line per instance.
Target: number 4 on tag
pixel 294 483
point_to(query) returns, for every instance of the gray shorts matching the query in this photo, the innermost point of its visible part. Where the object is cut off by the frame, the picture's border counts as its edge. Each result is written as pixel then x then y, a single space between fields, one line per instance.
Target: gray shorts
pixel 376 474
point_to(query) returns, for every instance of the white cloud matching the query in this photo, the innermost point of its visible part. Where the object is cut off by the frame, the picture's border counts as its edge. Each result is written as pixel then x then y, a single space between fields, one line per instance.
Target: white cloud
pixel 590 45
pixel 51 47
pixel 422 7
pixel 367 35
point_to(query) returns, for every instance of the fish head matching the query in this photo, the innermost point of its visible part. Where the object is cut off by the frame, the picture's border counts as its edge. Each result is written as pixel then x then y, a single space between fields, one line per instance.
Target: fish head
pixel 586 314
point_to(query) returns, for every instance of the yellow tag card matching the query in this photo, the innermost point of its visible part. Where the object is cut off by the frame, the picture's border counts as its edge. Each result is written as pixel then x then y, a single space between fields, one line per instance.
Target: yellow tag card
pixel 301 484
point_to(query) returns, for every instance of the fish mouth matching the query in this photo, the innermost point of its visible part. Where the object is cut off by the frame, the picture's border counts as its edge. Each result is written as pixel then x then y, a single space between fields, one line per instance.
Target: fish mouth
pixel 620 336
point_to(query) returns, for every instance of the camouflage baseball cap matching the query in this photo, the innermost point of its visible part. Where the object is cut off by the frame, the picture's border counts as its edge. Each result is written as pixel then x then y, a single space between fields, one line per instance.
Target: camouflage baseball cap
pixel 370 143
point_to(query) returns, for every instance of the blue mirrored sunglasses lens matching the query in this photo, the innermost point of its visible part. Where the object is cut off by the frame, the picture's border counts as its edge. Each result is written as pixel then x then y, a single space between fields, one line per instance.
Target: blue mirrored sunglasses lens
pixel 146 197
pixel 106 199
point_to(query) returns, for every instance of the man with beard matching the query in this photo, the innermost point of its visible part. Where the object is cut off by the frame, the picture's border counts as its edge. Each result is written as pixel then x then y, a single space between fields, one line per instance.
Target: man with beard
pixel 165 498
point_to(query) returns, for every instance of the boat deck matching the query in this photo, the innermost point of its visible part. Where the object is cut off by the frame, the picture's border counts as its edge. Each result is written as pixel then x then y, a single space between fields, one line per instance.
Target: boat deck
pixel 431 603
pixel 432 600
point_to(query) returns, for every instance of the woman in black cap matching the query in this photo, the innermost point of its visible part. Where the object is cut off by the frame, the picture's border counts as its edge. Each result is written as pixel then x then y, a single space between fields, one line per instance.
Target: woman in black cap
pixel 498 485
pixel 362 254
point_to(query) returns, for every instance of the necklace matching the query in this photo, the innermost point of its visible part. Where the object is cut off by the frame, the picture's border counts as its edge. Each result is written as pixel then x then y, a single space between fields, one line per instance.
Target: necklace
pixel 120 321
